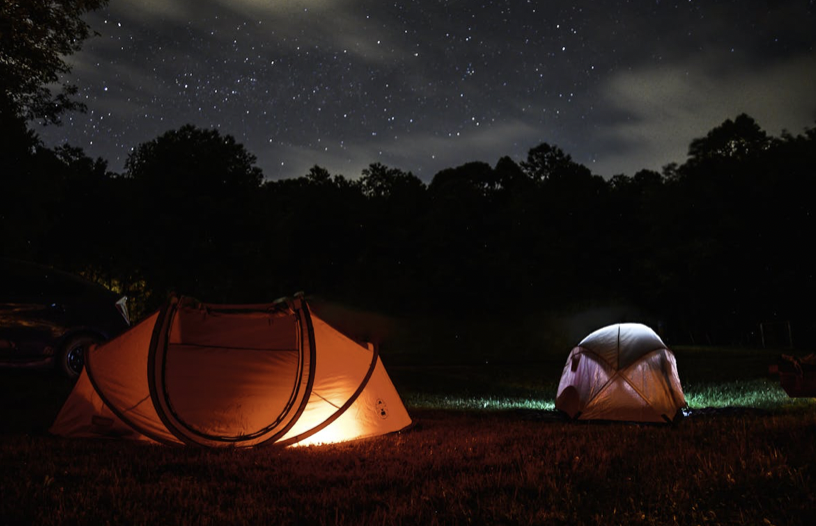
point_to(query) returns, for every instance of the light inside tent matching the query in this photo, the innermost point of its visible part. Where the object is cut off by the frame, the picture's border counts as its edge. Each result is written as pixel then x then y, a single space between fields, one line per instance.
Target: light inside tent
pixel 341 430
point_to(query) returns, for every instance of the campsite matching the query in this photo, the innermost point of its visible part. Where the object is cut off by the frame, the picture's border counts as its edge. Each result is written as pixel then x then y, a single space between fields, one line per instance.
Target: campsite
pixel 472 290
pixel 356 280
pixel 485 447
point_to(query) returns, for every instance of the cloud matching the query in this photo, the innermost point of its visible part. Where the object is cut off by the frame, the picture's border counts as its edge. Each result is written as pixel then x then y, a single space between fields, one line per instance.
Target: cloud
pixel 661 110
pixel 145 11
pixel 192 11
pixel 422 153
pixel 281 6
pixel 294 160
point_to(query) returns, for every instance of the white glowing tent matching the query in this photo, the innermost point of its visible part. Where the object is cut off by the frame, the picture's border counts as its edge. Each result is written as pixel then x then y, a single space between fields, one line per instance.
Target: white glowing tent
pixel 232 376
pixel 621 372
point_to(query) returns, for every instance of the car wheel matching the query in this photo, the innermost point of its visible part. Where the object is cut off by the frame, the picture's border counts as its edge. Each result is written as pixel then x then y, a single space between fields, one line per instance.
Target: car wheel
pixel 72 355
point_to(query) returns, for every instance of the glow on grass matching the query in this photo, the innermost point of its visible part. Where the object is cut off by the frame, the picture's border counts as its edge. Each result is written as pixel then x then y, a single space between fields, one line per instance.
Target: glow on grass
pixel 760 393
pixel 347 427
pixel 421 401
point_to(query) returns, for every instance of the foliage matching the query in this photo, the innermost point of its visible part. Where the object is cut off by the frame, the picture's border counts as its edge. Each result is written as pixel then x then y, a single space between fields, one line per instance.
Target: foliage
pixel 35 37
pixel 192 160
pixel 546 162
pixel 737 139
pixel 707 249
pixel 381 182
pixel 190 195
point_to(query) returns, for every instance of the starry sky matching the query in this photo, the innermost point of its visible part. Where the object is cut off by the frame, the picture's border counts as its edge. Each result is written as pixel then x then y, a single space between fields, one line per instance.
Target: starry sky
pixel 432 84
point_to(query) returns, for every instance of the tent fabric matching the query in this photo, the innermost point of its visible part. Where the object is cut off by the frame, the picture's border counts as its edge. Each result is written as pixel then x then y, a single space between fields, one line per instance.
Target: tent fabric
pixel 232 376
pixel 621 372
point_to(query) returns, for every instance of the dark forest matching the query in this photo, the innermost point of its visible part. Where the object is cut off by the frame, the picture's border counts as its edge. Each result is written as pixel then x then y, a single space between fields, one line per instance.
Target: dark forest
pixel 706 250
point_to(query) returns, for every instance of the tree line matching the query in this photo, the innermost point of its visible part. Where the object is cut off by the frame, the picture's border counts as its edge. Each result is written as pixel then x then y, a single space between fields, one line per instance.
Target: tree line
pixel 708 248
pixel 711 247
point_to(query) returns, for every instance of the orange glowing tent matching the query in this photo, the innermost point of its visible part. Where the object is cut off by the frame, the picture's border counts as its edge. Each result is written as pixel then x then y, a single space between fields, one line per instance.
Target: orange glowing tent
pixel 621 372
pixel 232 376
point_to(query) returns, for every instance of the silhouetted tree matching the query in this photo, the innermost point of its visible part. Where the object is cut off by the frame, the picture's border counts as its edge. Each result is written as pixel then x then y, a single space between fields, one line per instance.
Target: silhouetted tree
pixel 18 190
pixel 319 176
pixel 191 160
pixel 197 197
pixel 509 174
pixel 87 219
pixel 546 162
pixel 379 181
pixel 564 217
pixel 458 242
pixel 779 228
pixel 395 202
pixel 722 222
pixel 632 217
pixel 315 227
pixel 737 139
pixel 474 177
pixel 35 37
pixel 712 246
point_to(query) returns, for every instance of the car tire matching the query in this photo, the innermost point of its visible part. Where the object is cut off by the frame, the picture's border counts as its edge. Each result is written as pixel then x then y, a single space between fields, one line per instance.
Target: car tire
pixel 71 358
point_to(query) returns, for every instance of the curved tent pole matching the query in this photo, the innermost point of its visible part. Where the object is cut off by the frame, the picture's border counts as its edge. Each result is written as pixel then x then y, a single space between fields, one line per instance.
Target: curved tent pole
pixel 119 414
pixel 337 414
pixel 160 338
pixel 160 332
pixel 307 319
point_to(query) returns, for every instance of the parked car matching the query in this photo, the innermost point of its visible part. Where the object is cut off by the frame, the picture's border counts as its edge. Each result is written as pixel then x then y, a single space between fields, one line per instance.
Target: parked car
pixel 49 317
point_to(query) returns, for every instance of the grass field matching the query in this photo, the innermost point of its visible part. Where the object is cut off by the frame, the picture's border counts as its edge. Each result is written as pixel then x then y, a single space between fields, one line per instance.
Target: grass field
pixel 486 448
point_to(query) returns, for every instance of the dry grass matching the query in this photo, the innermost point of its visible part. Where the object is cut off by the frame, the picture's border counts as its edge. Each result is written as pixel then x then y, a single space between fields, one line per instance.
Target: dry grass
pixel 507 465
pixel 452 468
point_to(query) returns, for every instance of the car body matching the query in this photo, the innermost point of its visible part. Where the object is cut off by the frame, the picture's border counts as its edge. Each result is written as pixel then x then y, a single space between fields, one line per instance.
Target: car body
pixel 48 317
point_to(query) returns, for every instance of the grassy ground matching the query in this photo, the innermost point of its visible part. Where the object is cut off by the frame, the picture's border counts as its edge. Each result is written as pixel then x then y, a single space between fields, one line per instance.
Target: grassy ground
pixel 485 449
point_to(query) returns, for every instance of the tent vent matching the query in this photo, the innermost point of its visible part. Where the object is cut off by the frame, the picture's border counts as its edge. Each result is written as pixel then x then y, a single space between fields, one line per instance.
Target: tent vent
pixel 382 409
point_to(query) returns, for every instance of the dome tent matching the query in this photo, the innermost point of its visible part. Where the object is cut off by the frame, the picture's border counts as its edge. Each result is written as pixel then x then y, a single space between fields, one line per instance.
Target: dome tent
pixel 232 376
pixel 621 372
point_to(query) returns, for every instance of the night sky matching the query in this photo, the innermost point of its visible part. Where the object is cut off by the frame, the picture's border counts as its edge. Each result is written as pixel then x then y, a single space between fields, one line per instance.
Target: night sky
pixel 423 86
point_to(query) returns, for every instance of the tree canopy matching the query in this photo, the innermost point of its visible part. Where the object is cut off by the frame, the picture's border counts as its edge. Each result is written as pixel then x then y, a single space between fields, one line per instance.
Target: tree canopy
pixel 735 139
pixel 191 159
pixel 35 38
pixel 709 247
